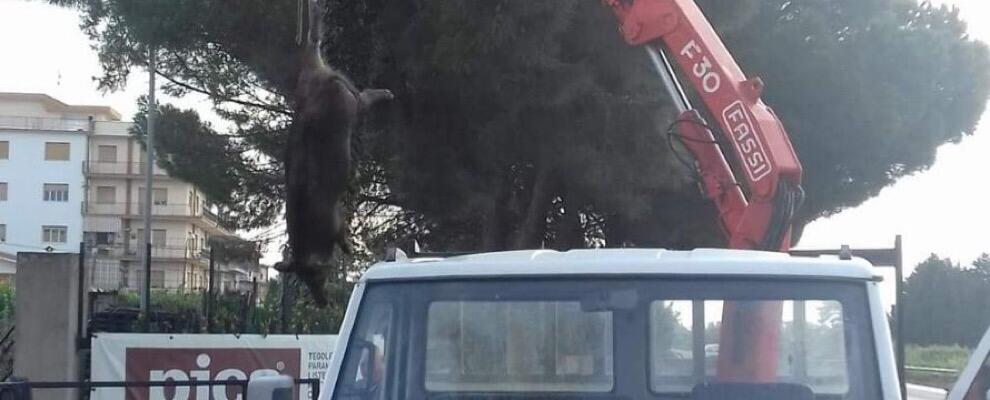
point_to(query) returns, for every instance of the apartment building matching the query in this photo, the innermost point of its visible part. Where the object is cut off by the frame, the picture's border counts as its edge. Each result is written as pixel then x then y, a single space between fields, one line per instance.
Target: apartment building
pixel 182 220
pixel 42 149
pixel 105 183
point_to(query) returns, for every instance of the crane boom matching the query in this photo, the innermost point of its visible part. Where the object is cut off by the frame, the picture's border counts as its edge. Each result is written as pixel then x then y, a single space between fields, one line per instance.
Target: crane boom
pixel 755 214
pixel 755 210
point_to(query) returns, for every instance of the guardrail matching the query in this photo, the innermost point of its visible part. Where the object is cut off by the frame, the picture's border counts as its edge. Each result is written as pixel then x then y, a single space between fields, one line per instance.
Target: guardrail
pixel 931 369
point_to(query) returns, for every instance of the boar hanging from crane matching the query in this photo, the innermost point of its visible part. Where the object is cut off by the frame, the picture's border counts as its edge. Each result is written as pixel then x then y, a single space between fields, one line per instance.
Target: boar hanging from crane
pixel 327 106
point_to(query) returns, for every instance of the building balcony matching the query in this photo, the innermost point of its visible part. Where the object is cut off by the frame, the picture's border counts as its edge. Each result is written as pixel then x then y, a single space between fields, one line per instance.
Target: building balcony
pixel 177 248
pixel 104 251
pixel 169 210
pixel 103 167
pixel 171 251
pixel 116 128
pixel 210 215
pixel 105 274
pixel 136 209
pixel 91 207
pixel 197 214
pixel 43 124
pixel 120 168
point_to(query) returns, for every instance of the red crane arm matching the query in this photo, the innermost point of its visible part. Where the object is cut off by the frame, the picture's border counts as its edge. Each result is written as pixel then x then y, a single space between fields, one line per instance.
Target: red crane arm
pixel 757 215
pixel 754 215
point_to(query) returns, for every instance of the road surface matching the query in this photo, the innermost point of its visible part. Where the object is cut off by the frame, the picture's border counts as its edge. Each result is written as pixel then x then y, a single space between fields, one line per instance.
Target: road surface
pixel 918 392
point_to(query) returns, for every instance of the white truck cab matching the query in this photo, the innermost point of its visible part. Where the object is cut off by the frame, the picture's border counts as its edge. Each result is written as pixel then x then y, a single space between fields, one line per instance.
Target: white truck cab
pixel 607 324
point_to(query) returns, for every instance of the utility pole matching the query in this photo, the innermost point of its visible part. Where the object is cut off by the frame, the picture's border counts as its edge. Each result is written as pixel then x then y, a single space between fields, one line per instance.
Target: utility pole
pixel 149 166
pixel 209 291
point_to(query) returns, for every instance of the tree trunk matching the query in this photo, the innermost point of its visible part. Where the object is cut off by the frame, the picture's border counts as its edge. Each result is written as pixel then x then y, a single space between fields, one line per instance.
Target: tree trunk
pixel 570 231
pixel 531 229
pixel 493 235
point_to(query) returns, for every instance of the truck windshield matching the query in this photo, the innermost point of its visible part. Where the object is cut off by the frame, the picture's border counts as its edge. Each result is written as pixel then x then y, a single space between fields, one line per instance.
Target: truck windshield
pixel 602 339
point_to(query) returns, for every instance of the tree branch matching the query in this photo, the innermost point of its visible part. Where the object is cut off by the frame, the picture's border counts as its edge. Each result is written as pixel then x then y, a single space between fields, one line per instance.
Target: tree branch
pixel 533 224
pixel 214 95
pixel 379 200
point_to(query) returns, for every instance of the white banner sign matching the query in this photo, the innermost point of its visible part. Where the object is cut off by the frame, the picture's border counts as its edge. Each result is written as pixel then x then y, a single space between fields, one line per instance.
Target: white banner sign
pixel 181 357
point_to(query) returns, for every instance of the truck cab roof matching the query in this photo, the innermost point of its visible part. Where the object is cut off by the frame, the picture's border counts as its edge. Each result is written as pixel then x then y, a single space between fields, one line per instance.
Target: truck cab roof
pixel 621 262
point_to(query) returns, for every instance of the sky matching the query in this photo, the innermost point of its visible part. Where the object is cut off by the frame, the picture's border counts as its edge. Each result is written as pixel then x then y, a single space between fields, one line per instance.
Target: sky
pixel 944 210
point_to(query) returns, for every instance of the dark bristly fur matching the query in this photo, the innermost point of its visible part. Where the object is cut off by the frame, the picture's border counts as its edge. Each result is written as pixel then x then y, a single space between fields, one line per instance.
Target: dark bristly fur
pixel 318 161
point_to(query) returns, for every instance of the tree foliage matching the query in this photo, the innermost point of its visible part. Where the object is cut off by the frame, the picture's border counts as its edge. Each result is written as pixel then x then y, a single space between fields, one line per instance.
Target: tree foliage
pixel 229 172
pixel 527 124
pixel 947 304
pixel 238 312
pixel 6 305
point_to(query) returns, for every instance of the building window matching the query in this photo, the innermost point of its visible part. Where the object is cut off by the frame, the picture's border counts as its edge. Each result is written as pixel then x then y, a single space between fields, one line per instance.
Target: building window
pixel 159 196
pixel 157 279
pixel 99 238
pixel 54 233
pixel 4 150
pixel 106 194
pixel 158 238
pixel 106 153
pixel 3 233
pixel 56 151
pixel 56 192
pixel 3 191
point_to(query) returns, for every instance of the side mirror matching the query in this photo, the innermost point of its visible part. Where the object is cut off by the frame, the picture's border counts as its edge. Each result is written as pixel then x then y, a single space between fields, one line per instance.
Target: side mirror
pixel 365 369
pixel 368 375
pixel 272 387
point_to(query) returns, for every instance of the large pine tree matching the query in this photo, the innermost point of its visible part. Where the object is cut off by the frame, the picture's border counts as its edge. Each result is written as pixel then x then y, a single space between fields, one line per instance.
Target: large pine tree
pixel 530 123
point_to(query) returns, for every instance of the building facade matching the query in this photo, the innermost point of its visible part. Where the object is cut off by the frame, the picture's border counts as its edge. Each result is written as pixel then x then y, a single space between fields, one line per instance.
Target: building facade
pixel 182 220
pixel 104 205
pixel 42 149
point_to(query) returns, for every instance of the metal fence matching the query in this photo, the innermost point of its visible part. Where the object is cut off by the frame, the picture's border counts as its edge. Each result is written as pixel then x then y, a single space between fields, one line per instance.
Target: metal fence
pixel 22 390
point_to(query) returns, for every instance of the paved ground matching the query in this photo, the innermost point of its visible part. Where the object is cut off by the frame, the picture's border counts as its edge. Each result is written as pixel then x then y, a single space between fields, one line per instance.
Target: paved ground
pixel 918 392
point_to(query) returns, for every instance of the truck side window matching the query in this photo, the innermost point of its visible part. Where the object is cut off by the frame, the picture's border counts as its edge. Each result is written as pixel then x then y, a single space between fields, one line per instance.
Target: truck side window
pixel 366 366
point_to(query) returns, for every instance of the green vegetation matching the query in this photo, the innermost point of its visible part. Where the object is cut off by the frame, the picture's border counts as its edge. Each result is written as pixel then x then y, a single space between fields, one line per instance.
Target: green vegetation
pixel 947 357
pixel 6 304
pixel 235 313
pixel 946 303
pixel 938 356
pixel 946 311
